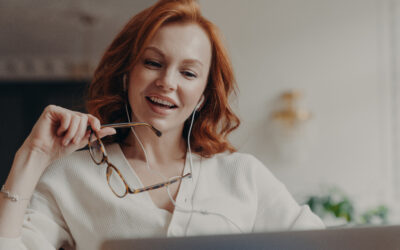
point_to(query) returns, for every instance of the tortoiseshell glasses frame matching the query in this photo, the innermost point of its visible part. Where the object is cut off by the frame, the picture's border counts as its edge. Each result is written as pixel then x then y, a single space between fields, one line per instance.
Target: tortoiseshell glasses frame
pixel 111 167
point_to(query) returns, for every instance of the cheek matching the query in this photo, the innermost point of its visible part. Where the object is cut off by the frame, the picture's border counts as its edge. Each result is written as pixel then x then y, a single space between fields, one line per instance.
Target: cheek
pixel 192 96
pixel 138 81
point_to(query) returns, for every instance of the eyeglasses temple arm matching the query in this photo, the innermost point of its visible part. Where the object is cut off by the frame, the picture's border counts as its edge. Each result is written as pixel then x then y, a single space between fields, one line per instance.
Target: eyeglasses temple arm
pixel 131 124
pixel 152 187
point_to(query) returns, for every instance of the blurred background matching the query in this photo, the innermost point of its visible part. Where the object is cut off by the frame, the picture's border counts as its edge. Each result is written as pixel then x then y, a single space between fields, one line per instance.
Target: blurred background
pixel 319 88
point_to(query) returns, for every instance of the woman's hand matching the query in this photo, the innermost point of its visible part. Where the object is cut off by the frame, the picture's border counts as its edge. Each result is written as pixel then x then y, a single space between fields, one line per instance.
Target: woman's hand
pixel 59 132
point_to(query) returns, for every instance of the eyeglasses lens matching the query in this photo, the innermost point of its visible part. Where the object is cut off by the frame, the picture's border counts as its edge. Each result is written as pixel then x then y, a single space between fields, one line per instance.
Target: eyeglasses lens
pixel 115 182
pixel 95 149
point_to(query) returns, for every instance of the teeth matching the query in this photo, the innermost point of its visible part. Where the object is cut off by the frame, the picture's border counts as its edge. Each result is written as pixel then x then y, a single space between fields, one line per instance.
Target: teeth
pixel 163 102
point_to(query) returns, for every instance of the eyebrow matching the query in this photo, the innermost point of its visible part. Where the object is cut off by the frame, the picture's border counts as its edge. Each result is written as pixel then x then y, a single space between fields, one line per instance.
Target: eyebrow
pixel 158 51
pixel 186 61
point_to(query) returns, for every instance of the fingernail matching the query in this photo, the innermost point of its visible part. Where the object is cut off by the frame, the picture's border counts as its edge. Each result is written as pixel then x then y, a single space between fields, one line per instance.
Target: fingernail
pixel 66 142
pixel 114 131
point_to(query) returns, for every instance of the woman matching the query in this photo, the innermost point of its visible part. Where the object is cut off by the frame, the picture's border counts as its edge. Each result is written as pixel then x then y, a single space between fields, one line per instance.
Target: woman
pixel 172 174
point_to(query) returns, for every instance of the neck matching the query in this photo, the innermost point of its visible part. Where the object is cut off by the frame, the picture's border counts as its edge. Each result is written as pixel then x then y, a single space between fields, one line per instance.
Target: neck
pixel 170 147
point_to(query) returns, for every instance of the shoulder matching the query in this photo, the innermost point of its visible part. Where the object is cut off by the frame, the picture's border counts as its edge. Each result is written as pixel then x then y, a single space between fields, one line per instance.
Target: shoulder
pixel 72 175
pixel 77 167
pixel 236 160
pixel 76 160
pixel 237 164
pixel 79 164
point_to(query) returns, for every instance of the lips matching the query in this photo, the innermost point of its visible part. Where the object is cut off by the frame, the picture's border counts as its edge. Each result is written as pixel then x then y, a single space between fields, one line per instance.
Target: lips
pixel 160 104
pixel 163 101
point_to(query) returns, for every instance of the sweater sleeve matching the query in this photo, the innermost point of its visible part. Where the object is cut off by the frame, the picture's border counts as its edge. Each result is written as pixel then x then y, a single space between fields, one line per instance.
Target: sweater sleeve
pixel 43 228
pixel 276 208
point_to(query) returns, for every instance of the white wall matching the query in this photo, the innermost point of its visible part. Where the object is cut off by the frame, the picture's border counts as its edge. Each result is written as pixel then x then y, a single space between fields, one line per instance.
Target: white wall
pixel 338 54
pixel 45 39
pixel 395 79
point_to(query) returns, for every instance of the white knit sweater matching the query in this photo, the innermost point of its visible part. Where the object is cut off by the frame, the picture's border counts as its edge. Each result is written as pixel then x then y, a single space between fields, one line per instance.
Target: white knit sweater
pixel 73 206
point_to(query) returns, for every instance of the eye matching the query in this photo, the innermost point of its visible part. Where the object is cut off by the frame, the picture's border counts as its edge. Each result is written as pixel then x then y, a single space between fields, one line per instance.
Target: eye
pixel 189 74
pixel 152 64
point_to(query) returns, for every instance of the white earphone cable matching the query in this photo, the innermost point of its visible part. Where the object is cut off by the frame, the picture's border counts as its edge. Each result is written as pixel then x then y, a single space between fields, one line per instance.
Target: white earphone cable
pixel 204 212
pixel 141 145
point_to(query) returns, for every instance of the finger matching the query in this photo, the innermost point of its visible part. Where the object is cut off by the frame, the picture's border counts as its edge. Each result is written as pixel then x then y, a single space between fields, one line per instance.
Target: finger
pixel 59 117
pixel 82 128
pixel 73 127
pixel 106 132
pixel 85 139
pixel 65 120
pixel 87 136
pixel 94 122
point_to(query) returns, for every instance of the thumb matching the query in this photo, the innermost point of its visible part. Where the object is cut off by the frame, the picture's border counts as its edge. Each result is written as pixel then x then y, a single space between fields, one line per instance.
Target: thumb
pixel 106 132
pixel 102 133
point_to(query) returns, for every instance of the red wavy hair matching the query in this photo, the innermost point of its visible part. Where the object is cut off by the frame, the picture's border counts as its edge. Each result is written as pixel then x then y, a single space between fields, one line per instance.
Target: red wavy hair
pixel 107 98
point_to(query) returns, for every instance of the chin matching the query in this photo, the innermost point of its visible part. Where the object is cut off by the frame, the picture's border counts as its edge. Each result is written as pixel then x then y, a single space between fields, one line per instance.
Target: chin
pixel 166 127
pixel 162 124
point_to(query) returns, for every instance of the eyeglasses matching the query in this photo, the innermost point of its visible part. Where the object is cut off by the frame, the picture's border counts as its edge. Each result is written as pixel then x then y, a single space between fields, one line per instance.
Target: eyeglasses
pixel 115 180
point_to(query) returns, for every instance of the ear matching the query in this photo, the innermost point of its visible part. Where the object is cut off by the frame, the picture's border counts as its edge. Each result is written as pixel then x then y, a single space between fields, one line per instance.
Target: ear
pixel 199 105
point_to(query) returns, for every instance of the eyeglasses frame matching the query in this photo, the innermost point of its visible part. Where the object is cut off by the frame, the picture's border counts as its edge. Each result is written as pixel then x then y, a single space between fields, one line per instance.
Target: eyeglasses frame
pixel 111 167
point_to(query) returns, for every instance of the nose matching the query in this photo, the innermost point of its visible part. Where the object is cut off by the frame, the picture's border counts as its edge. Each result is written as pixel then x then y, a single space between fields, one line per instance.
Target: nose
pixel 167 80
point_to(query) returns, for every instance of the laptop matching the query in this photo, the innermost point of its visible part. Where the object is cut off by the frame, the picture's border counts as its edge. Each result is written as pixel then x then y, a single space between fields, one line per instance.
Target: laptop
pixel 365 238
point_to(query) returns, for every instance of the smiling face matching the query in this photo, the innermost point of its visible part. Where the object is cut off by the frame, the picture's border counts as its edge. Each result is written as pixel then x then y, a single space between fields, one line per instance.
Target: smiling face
pixel 168 81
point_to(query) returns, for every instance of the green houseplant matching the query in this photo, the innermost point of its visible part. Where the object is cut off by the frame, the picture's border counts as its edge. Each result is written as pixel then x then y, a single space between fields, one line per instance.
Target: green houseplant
pixel 337 206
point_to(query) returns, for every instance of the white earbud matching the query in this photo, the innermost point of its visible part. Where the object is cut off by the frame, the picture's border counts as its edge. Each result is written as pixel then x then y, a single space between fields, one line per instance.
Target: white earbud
pixel 199 104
